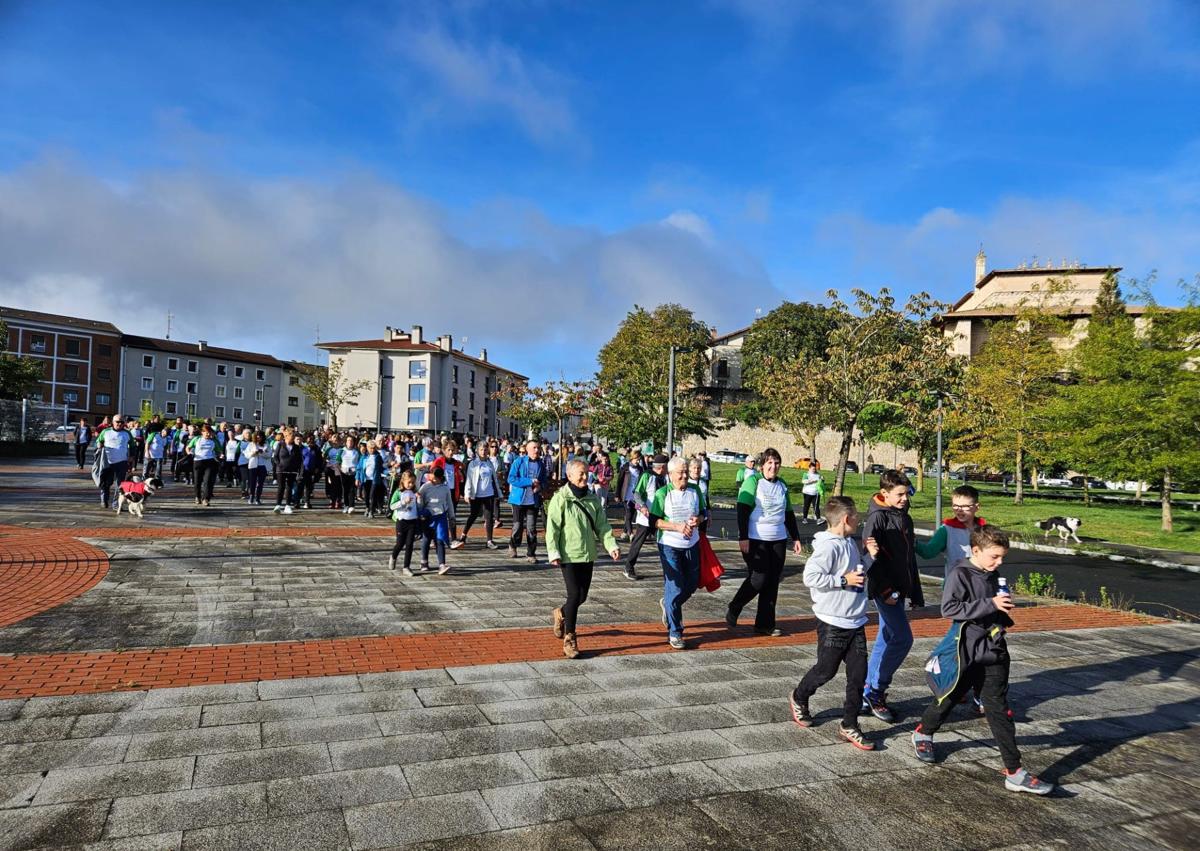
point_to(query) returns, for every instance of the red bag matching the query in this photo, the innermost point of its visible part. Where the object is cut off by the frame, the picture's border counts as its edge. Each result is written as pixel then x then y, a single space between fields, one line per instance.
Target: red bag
pixel 711 569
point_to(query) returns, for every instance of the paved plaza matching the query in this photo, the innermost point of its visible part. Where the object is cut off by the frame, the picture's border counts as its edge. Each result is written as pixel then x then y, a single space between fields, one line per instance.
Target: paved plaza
pixel 230 678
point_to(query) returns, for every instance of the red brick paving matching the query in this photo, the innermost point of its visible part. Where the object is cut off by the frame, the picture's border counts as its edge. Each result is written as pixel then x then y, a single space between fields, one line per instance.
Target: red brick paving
pixel 42 569
pixel 90 673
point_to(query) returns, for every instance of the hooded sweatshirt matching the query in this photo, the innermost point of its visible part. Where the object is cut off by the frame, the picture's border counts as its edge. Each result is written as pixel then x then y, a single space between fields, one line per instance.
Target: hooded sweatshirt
pixel 953 538
pixel 967 598
pixel 832 556
pixel 896 564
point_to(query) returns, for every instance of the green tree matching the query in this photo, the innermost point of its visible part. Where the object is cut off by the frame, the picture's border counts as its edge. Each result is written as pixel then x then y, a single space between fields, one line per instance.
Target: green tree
pixel 19 376
pixel 630 405
pixel 329 388
pixel 876 352
pixel 787 332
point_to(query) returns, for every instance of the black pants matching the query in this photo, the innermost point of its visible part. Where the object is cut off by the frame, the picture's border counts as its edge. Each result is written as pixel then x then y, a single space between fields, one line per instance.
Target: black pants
pixel 308 481
pixel 285 485
pixel 153 467
pixel 407 532
pixel 578 579
pixel 349 491
pixel 991 681
pixel 480 505
pixel 630 516
pixel 111 475
pixel 525 519
pixel 206 477
pixel 80 454
pixel 369 488
pixel 764 563
pixel 333 487
pixel 812 500
pixel 640 534
pixel 834 646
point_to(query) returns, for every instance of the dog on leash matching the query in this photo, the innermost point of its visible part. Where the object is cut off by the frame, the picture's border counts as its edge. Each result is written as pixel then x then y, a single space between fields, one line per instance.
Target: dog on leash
pixel 135 492
pixel 1066 527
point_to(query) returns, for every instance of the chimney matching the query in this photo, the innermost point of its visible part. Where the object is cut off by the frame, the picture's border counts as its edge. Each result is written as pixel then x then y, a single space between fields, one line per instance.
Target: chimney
pixel 445 342
pixel 980 266
pixel 416 334
pixel 202 345
pixel 483 355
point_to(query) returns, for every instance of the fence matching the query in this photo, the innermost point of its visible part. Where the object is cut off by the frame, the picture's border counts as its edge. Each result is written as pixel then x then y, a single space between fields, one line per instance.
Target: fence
pixel 26 421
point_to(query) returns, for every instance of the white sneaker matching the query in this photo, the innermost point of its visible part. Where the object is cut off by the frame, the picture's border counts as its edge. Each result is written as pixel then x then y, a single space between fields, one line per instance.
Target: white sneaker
pixel 443 569
pixel 404 571
pixel 391 562
pixel 455 544
pixel 492 545
pixel 277 509
pixel 287 509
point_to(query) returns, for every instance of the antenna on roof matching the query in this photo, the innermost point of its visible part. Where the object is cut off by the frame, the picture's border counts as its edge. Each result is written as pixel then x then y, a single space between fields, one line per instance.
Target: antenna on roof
pixel 170 316
pixel 318 333
pixel 757 312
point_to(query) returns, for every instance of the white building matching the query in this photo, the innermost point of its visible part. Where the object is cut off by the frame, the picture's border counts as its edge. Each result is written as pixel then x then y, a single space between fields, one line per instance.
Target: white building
pixel 295 408
pixel 420 386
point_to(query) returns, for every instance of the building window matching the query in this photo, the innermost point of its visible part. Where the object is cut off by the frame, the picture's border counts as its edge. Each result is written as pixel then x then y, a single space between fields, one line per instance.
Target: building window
pixel 222 369
pixel 453 395
pixel 237 413
pixel 191 388
pixel 147 383
pixel 258 395
pixel 257 414
pixel 71 372
pixel 220 391
pixel 70 396
pixel 416 416
pixel 105 350
pixel 191 410
pixel 472 405
pixel 172 385
pixel 219 411
pixel 104 374
pixel 260 374
pixel 293 381
pixel 172 408
pixel 37 342
pixel 454 374
pixel 293 402
pixel 103 399
pixel 722 368
pixel 416 369
pixel 146 403
pixel 173 364
pixel 239 371
pixel 148 361
pixel 72 347
pixel 472 378
pixel 471 423
pixel 416 392
pixel 454 420
pixel 35 395
pixel 239 392
pixel 292 421
pixel 193 366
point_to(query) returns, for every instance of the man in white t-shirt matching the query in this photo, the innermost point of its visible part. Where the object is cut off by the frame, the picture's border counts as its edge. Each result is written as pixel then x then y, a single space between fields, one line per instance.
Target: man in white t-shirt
pixel 679 508
pixel 116 443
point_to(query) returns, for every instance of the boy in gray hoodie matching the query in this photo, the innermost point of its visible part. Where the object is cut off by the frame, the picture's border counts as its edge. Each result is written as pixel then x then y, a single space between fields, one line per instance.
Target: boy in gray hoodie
pixel 836 575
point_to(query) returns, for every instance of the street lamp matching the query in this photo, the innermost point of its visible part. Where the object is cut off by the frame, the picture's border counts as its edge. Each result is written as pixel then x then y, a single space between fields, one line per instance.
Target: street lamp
pixel 671 398
pixel 937 508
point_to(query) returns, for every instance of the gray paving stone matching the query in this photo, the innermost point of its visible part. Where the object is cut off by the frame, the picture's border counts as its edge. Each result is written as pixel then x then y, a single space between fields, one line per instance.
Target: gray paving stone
pixel 35 729
pixel 551 800
pixel 623 681
pixel 475 693
pixel 466 773
pixel 556 836
pixel 505 672
pixel 530 709
pixel 699 694
pixel 186 810
pixel 643 787
pixel 553 687
pixel 502 737
pixel 665 827
pixel 609 702
pixel 750 814
pixel 304 731
pixel 172 841
pixel 775 737
pixel 429 720
pixel 599 728
pixel 767 770
pixel 235 737
pixel 115 781
pixel 318 831
pixel 367 701
pixel 404 679
pixel 52 826
pixel 298 795
pixel 136 721
pixel 200 695
pixel 305 686
pixel 768 711
pixel 580 760
pixel 681 718
pixel 215 715
pixel 688 746
pixel 423 819
pixel 77 704
pixel 11 707
pixel 18 790
pixel 265 764
pixel 389 750
pixel 46 755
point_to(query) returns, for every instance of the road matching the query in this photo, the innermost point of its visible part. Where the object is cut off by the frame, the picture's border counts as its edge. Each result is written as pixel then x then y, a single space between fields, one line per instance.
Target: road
pixel 1154 590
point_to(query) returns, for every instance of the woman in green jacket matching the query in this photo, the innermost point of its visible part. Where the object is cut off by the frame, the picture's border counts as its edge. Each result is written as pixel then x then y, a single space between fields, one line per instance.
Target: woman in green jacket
pixel 575 523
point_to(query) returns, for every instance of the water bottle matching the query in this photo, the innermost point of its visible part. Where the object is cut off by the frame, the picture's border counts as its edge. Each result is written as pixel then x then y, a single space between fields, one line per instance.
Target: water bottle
pixel 858 589
pixel 1004 587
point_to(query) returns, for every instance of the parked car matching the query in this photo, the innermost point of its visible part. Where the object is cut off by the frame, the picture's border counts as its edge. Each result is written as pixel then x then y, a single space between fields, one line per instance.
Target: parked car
pixel 1053 482
pixel 803 462
pixel 911 472
pixel 851 467
pixel 1093 484
pixel 728 456
pixel 876 469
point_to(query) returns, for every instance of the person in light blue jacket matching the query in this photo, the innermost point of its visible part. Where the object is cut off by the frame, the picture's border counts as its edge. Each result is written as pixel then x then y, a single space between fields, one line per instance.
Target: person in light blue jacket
pixel 527 480
pixel 369 475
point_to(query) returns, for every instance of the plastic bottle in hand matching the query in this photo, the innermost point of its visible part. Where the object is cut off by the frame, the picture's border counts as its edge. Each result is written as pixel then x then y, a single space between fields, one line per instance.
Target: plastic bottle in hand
pixel 858 589
pixel 1004 587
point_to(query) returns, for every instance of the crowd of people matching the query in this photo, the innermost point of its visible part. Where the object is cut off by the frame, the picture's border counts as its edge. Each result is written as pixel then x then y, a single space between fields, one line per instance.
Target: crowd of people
pixel 419 483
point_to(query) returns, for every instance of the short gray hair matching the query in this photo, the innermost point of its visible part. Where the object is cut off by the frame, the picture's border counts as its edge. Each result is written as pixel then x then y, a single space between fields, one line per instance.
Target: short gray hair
pixel 576 462
pixel 676 463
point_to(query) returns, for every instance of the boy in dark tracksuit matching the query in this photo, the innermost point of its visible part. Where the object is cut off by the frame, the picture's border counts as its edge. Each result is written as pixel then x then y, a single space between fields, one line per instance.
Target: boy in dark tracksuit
pixel 971 597
pixel 892 580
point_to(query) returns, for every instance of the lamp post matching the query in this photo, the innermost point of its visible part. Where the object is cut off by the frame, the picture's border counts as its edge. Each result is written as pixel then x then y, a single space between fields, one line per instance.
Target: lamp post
pixel 938 466
pixel 671 397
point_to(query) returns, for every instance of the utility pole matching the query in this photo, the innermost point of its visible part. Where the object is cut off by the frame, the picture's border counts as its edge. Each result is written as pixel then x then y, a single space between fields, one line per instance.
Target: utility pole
pixel 671 405
pixel 170 316
pixel 937 516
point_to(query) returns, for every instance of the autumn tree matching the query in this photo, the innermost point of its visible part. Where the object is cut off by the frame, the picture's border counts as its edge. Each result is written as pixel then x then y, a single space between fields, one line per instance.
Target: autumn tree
pixel 19 376
pixel 537 408
pixel 787 332
pixel 329 388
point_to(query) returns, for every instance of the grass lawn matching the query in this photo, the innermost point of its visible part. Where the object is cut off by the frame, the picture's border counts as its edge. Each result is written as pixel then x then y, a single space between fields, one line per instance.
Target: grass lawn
pixel 1124 524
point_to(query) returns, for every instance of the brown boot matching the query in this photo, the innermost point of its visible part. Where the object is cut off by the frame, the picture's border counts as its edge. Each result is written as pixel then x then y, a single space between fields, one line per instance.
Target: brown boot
pixel 558 623
pixel 570 647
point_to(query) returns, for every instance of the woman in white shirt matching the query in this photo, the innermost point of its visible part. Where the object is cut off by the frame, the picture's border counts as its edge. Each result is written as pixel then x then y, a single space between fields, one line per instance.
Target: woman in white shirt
pixel 348 467
pixel 480 490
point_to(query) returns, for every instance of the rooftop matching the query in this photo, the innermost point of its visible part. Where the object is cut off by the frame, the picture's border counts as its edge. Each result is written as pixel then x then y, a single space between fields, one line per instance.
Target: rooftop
pixel 201 349
pixel 11 313
pixel 1066 290
pixel 405 343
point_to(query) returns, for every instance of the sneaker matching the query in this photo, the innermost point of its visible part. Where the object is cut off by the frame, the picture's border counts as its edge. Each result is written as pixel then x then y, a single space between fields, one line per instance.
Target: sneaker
pixel 821 520
pixel 676 642
pixel 923 747
pixel 492 545
pixel 770 633
pixel 424 566
pixel 854 736
pixel 630 573
pixel 457 544
pixel 570 646
pixel 1022 781
pixel 662 604
pixel 558 623
pixel 877 704
pixel 800 713
pixel 197 501
pixel 531 559
pixel 512 552
pixel 406 571
pixel 277 509
pixel 287 509
pixel 391 562
pixel 443 569
pixel 207 504
pixel 730 619
pixel 308 505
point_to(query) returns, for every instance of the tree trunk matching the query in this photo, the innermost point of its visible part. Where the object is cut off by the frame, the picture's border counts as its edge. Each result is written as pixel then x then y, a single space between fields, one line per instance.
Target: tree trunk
pixel 1033 477
pixel 920 473
pixel 1087 492
pixel 1168 522
pixel 843 457
pixel 1018 482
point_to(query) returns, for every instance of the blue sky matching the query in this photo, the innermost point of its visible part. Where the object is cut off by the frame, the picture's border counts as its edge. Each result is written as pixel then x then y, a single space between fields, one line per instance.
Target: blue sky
pixel 521 173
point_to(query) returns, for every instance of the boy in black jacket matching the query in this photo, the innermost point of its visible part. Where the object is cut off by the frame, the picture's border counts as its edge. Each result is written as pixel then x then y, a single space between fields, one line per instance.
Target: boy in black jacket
pixel 892 580
pixel 972 596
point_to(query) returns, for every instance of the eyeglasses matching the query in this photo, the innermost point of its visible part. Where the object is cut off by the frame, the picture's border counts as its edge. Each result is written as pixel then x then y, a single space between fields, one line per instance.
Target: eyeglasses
pixel 966 507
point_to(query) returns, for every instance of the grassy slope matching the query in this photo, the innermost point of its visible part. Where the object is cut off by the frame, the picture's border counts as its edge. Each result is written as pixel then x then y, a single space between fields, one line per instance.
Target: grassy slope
pixel 1122 524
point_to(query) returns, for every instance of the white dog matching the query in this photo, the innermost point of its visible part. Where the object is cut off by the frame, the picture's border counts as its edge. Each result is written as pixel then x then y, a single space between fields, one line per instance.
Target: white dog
pixel 135 492
pixel 1064 526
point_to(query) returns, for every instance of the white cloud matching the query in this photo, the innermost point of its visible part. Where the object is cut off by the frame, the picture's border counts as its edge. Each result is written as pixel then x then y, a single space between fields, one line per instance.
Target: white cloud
pixel 689 222
pixel 260 263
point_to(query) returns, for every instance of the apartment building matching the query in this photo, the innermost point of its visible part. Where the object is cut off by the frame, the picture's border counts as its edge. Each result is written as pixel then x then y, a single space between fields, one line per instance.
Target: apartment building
pixel 296 409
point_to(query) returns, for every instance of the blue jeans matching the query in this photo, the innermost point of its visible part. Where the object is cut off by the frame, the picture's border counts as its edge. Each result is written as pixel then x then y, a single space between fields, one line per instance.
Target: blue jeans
pixel 892 644
pixel 681 576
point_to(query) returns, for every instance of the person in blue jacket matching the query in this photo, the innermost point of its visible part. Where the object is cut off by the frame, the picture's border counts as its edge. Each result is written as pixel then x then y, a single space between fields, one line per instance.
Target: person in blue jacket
pixel 369 475
pixel 527 480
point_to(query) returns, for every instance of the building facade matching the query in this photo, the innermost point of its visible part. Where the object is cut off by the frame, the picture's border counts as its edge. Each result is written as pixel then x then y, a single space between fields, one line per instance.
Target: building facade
pixel 193 380
pixel 296 409
pixel 415 385
pixel 81 358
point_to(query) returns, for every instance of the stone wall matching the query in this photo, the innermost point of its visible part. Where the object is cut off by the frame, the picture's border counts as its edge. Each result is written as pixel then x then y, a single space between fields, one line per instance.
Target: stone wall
pixel 742 438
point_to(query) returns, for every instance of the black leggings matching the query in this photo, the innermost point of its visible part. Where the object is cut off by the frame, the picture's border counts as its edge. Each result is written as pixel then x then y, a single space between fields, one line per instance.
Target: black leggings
pixel 481 505
pixel 349 490
pixel 640 534
pixel 525 519
pixel 630 516
pixel 813 500
pixel 333 486
pixel 578 579
pixel 764 563
pixel 285 487
pixel 369 489
pixel 206 477
pixel 80 453
pixel 834 646
pixel 407 532
pixel 992 682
